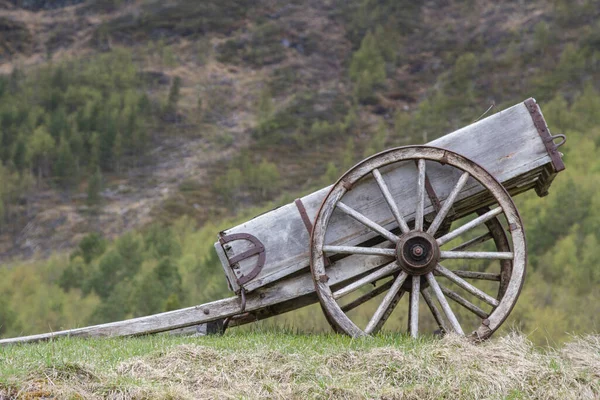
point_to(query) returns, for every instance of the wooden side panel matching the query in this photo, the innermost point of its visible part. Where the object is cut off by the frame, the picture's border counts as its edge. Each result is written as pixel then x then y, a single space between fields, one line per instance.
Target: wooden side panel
pixel 507 144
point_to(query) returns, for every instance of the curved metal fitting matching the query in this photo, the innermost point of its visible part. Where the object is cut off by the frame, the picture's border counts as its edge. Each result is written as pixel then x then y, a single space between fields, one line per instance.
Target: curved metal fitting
pixel 561 136
pixel 257 249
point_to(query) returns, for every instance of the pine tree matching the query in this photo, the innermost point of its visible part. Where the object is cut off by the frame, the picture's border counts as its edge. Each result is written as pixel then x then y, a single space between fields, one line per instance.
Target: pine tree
pixel 94 188
pixel 173 99
pixel 367 68
pixel 65 167
pixel 117 152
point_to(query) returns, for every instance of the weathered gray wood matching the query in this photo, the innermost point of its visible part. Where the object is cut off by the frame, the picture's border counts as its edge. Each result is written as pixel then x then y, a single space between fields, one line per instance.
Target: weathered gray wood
pixel 473 242
pixel 389 199
pixel 437 291
pixel 367 222
pixel 389 310
pixel 468 226
pixel 464 302
pixel 507 144
pixel 372 277
pixel 481 255
pixel 367 296
pixel 434 310
pixel 487 276
pixel 466 285
pixel 290 290
pixel 373 251
pixel 439 218
pixel 420 211
pixel 385 304
pixel 496 191
pixel 414 306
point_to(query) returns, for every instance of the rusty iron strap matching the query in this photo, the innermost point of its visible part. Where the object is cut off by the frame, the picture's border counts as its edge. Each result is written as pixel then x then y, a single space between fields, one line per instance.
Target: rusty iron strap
pixel 547 139
pixel 304 215
pixel 258 249
pixel 308 224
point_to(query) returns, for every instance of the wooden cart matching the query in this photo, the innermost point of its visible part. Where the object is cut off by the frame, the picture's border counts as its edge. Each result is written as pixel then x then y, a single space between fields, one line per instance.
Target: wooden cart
pixel 386 228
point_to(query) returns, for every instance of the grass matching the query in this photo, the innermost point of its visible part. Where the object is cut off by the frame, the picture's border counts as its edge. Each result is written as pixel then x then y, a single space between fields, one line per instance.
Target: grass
pixel 278 364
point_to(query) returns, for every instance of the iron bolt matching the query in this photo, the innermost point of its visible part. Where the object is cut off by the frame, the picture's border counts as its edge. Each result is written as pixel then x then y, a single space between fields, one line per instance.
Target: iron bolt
pixel 418 251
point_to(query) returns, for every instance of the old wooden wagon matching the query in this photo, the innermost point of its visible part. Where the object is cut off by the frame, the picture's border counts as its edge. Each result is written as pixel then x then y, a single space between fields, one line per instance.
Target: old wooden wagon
pixel 389 226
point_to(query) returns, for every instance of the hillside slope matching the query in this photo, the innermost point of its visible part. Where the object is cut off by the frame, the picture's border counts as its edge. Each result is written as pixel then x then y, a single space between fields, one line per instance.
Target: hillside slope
pixel 183 118
pixel 265 364
pixel 275 81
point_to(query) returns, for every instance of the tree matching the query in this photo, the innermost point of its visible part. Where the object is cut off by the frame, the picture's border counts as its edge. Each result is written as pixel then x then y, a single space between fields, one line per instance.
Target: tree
pixel 265 179
pixel 265 113
pixel 117 152
pixel 173 99
pixel 94 188
pixel 65 166
pixel 367 68
pixel 41 148
pixel 19 156
pixel 377 142
pixel 92 246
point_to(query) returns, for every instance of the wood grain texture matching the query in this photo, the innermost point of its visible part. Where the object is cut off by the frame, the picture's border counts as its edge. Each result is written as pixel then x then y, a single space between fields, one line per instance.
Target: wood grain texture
pixel 506 144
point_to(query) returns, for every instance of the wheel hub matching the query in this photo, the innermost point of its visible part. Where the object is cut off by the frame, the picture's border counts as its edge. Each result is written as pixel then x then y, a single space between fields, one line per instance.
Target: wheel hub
pixel 417 252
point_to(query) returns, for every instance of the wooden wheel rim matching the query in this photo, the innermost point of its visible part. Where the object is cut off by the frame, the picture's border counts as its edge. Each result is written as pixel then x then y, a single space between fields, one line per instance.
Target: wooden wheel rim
pixel 427 153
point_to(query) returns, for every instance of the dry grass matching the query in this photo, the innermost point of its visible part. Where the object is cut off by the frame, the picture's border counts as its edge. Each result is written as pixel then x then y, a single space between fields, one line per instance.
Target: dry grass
pixel 286 366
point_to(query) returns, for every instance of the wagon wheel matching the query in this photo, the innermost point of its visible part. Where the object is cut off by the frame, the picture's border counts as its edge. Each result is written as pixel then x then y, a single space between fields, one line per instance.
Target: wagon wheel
pixel 414 253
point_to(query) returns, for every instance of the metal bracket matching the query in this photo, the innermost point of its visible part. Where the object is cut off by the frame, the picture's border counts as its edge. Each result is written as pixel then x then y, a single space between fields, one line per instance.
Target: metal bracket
pixel 258 249
pixel 307 224
pixel 547 139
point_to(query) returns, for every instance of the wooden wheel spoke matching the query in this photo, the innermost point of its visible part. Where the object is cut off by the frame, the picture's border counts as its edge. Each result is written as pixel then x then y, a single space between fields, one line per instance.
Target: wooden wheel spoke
pixel 367 222
pixel 419 212
pixel 385 304
pixel 414 306
pixel 439 218
pixel 444 303
pixel 369 251
pixel 390 201
pixel 464 302
pixel 475 241
pixel 367 296
pixel 466 285
pixel 388 311
pixel 486 276
pixel 488 255
pixel 470 225
pixel 434 310
pixel 380 273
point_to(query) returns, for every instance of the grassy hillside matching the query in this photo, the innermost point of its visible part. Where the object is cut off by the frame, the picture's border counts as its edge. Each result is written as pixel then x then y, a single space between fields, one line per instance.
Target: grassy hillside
pixel 182 118
pixel 280 365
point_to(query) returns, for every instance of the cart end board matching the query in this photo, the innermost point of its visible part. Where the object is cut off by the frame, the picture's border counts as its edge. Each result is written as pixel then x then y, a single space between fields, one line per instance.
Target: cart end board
pixel 514 145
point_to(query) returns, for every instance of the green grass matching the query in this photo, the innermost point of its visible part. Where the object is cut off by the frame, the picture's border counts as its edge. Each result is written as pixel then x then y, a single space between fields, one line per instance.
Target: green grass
pixel 280 364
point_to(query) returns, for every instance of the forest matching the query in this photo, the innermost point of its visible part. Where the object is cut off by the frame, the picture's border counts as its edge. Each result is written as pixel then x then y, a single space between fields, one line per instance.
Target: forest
pixel 73 124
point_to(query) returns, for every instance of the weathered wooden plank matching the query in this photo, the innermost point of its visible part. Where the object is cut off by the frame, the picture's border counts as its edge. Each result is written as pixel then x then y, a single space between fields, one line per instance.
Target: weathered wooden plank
pixel 507 144
pixel 291 294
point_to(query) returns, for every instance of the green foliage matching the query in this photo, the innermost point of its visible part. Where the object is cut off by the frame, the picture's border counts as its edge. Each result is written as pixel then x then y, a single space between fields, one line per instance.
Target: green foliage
pixel 542 37
pixel 367 69
pixel 377 142
pixel 63 120
pixel 402 16
pixel 173 99
pixel 94 188
pixel 263 47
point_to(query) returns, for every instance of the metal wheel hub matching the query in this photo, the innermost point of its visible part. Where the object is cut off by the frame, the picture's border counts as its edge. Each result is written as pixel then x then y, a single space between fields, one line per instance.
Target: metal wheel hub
pixel 417 252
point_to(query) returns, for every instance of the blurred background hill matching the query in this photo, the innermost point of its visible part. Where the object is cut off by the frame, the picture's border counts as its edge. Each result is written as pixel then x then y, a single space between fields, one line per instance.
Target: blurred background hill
pixel 131 132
